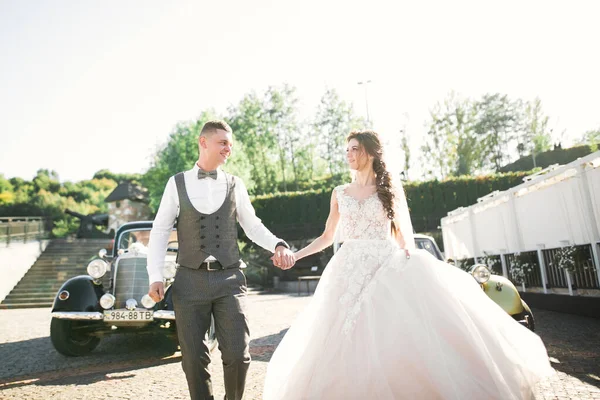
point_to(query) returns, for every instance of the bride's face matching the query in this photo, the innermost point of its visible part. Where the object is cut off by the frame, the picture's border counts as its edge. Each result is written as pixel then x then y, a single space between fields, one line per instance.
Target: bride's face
pixel 356 155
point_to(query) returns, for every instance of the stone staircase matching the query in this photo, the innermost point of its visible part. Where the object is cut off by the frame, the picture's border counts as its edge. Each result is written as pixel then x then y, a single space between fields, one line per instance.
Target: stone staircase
pixel 62 259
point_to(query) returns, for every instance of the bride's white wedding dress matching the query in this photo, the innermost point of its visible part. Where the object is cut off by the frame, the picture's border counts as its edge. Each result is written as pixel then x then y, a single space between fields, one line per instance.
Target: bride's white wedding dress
pixel 384 326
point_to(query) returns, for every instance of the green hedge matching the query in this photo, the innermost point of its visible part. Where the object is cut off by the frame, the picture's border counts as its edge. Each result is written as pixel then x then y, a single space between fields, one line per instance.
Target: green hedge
pixel 327 183
pixel 432 200
pixel 293 208
pixel 556 156
pixel 428 201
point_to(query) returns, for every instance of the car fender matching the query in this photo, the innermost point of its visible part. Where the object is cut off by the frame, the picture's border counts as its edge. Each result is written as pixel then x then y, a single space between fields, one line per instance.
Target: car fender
pixel 83 295
pixel 503 293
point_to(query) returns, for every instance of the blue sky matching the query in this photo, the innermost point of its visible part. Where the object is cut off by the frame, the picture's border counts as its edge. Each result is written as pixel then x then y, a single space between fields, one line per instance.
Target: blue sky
pixel 95 84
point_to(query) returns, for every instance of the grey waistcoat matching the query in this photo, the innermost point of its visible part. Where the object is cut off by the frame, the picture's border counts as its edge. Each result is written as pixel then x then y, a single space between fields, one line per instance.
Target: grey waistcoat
pixel 202 235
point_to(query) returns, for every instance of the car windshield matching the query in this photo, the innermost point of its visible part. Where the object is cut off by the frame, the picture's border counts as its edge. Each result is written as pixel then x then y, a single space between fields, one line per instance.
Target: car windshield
pixel 426 244
pixel 138 240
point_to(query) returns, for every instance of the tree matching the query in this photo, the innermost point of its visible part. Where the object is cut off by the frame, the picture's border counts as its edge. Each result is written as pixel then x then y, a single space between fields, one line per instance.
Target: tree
pixel 451 147
pixel 5 185
pixel 536 137
pixel 404 145
pixel 499 120
pixel 591 137
pixel 23 190
pixel 45 196
pixel 105 173
pixel 178 154
pixel 17 183
pixel 251 124
pixel 278 148
pixel 6 191
pixel 334 120
pixel 46 180
pixel 281 109
pixel 439 151
pixel 89 191
pixel 305 153
pixel 469 148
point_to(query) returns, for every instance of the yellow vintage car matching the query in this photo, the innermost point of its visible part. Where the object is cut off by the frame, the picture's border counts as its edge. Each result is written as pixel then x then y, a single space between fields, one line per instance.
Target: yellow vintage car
pixel 498 288
pixel 504 293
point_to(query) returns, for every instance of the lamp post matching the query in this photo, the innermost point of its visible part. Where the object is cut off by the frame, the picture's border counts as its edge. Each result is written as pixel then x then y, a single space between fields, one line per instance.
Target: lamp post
pixel 366 100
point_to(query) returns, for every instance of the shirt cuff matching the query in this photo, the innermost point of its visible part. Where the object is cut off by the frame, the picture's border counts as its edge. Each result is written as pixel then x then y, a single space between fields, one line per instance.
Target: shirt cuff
pixel 155 278
pixel 282 243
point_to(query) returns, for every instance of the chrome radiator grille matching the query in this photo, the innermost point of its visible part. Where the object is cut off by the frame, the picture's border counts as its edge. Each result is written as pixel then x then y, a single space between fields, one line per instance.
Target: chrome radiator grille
pixel 131 280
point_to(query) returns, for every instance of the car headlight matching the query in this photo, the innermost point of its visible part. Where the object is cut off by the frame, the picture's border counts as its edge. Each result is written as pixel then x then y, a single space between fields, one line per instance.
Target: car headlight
pixel 107 301
pixel 481 273
pixel 169 270
pixel 147 302
pixel 97 268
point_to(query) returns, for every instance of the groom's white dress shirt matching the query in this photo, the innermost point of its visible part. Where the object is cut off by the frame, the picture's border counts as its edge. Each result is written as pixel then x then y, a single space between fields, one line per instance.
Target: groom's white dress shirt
pixel 206 195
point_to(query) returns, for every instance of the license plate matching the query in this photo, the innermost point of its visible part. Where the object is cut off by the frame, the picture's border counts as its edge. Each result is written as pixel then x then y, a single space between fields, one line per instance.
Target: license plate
pixel 126 315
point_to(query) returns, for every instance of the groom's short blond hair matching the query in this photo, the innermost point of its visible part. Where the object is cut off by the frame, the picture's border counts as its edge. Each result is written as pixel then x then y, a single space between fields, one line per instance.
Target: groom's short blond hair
pixel 212 126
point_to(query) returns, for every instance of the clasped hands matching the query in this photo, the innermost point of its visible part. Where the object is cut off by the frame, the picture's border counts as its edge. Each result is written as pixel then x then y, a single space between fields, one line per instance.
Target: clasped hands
pixel 283 258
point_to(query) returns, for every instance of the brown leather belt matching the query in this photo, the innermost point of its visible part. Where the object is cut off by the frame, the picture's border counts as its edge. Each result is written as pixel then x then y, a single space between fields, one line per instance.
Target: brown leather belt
pixel 217 266
pixel 211 265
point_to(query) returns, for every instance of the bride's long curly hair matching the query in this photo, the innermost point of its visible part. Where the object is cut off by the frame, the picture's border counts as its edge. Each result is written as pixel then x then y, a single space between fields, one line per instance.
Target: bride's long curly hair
pixel 369 140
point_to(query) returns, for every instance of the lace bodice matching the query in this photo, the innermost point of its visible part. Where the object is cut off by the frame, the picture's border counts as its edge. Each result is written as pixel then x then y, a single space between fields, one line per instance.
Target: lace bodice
pixel 361 219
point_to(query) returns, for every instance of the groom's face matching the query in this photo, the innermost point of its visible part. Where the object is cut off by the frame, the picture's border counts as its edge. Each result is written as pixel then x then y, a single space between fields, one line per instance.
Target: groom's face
pixel 216 146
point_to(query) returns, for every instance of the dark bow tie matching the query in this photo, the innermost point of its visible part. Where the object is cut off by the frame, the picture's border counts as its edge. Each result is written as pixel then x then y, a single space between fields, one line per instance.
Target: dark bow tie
pixel 203 174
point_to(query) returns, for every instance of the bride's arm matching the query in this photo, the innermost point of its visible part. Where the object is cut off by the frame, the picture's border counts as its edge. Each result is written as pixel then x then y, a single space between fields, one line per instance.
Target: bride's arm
pixel 398 235
pixel 400 238
pixel 326 238
pixel 404 232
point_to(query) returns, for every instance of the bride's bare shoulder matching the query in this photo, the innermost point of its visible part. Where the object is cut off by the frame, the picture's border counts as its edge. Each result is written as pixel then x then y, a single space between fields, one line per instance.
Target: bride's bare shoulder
pixel 339 190
pixel 340 187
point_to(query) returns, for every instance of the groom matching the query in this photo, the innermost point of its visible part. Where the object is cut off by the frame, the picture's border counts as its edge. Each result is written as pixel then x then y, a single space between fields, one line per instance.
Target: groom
pixel 205 202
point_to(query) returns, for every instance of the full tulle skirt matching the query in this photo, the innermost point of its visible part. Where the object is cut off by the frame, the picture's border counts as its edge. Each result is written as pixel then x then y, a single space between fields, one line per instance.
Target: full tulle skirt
pixel 384 326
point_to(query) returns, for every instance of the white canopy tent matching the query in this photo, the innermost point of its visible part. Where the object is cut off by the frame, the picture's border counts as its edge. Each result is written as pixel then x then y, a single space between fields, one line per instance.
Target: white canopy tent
pixel 553 208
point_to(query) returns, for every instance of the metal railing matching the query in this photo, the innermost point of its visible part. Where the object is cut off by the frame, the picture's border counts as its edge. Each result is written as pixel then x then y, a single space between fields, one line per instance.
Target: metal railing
pixel 21 228
pixel 493 262
pixel 545 273
pixel 555 276
pixel 532 278
pixel 585 277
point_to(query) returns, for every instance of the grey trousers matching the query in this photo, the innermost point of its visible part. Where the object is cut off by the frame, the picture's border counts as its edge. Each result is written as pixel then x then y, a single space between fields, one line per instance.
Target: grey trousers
pixel 198 294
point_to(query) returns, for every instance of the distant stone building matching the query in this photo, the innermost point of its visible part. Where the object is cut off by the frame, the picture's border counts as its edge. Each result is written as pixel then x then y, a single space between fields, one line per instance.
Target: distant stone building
pixel 128 202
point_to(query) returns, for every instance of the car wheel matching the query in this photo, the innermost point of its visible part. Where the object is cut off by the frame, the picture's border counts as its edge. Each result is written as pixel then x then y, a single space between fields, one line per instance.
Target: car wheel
pixel 68 340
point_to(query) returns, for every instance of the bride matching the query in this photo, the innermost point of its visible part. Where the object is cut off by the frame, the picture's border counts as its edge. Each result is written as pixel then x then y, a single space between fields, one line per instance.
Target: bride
pixel 388 321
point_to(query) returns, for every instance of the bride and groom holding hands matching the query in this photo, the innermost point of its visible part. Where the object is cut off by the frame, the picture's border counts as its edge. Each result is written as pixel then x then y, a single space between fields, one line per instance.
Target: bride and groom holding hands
pixel 383 323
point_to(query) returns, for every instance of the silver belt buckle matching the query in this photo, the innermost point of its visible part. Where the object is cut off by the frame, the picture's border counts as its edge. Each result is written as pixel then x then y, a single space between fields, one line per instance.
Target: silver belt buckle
pixel 208 268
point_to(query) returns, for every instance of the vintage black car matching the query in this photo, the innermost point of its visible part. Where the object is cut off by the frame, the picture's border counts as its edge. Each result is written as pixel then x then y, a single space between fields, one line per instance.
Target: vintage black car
pixel 113 297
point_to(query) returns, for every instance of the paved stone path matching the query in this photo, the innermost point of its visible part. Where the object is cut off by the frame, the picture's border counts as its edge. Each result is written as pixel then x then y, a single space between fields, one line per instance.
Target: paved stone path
pixel 140 367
